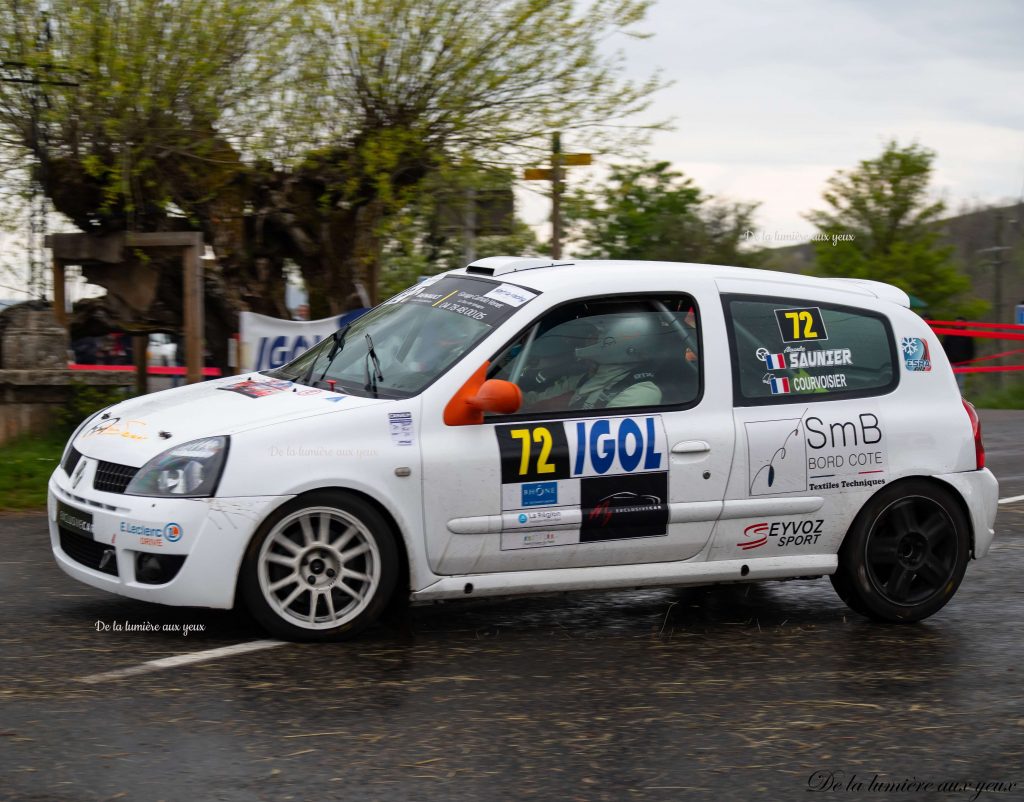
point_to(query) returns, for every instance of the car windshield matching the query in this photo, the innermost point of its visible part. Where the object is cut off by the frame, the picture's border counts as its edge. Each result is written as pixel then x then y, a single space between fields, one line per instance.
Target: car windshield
pixel 398 348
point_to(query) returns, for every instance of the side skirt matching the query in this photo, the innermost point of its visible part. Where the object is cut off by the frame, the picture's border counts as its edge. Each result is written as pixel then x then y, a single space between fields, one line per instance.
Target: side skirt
pixel 667 574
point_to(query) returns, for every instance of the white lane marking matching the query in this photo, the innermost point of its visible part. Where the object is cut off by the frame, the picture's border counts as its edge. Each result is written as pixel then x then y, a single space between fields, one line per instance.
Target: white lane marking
pixel 1011 500
pixel 182 660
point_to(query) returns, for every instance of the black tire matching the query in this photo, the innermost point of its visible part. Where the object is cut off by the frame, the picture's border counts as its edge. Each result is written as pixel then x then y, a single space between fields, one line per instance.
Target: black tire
pixel 906 553
pixel 304 579
pixel 844 589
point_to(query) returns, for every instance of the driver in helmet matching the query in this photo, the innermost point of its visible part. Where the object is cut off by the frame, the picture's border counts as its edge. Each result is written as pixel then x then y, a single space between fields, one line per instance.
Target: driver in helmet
pixel 622 356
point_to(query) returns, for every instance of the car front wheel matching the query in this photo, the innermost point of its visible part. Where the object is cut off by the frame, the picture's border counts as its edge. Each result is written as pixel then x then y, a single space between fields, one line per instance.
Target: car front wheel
pixel 322 567
pixel 906 553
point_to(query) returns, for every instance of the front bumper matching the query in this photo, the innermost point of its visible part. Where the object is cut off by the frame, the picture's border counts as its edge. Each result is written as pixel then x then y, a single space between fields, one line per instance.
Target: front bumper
pixel 980 491
pixel 200 542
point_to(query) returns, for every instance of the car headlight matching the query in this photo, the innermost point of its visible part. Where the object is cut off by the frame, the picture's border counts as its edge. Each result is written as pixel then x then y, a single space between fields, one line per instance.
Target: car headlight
pixel 192 470
pixel 78 431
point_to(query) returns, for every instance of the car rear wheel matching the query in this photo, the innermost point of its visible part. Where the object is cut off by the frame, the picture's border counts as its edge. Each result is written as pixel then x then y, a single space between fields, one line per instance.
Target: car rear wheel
pixel 322 567
pixel 906 553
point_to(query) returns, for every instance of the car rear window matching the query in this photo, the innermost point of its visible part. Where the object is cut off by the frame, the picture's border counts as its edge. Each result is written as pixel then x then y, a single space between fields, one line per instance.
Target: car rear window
pixel 789 350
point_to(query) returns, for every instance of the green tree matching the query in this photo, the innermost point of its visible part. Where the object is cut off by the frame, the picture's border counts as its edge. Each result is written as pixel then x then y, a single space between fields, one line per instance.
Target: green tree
pixel 425 238
pixel 399 89
pixel 295 129
pixel 141 115
pixel 881 224
pixel 650 211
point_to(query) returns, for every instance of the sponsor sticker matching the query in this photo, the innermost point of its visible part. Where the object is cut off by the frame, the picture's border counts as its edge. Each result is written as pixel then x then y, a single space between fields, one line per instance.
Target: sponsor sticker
pixel 782 533
pixel 152 534
pixel 534 539
pixel 78 521
pixel 257 389
pixel 532 495
pixel 132 430
pixel 400 426
pixel 817 453
pixel 776 456
pixel 511 294
pixel 535 518
pixel 539 494
pixel 473 298
pixel 594 447
pixel 801 325
pixel 618 507
pixel 916 357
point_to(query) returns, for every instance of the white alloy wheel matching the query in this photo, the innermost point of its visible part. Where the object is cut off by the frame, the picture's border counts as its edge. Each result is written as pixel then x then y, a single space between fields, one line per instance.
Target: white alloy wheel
pixel 319 567
pixel 322 567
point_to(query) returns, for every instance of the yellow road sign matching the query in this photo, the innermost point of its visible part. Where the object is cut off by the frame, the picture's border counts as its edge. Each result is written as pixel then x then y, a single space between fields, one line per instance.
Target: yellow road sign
pixel 537 174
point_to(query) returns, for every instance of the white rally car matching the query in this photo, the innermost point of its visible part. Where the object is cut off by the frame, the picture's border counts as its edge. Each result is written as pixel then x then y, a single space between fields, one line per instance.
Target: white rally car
pixel 519 426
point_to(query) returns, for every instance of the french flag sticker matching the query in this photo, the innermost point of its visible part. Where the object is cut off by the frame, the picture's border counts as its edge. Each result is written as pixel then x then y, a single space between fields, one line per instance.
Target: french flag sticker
pixel 779 385
pixel 775 361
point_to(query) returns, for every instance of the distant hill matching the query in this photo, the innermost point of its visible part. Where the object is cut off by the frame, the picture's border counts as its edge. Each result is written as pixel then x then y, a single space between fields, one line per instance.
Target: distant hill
pixel 970 233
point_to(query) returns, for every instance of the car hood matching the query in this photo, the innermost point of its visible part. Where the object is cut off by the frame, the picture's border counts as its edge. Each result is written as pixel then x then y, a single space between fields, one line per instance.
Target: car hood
pixel 138 429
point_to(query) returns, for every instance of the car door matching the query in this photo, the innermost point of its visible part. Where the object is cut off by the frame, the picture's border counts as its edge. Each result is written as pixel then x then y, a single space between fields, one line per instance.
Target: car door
pixel 813 442
pixel 620 453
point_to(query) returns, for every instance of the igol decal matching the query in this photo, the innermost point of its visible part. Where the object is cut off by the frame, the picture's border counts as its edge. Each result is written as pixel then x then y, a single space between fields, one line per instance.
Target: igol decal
pixel 534 452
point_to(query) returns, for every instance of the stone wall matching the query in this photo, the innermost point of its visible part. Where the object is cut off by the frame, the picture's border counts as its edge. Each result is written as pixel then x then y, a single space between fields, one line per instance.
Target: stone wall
pixel 36 387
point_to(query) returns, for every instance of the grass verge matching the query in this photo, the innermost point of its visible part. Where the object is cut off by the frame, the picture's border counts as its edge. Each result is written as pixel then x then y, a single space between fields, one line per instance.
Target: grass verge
pixel 25 467
pixel 989 396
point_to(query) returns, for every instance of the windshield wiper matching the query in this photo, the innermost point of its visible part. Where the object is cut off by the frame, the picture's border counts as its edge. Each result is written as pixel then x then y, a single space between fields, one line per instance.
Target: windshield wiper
pixel 374 376
pixel 336 348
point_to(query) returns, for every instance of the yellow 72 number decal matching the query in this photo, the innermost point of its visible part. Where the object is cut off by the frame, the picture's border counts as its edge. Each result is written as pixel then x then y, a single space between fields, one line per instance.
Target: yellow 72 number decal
pixel 542 437
pixel 800 325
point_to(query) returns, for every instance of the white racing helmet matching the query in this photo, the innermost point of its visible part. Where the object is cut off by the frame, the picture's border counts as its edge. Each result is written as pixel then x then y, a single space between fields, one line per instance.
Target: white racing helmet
pixel 624 339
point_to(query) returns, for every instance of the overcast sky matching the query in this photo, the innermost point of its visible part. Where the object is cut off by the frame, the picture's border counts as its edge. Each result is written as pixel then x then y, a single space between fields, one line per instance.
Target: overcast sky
pixel 771 98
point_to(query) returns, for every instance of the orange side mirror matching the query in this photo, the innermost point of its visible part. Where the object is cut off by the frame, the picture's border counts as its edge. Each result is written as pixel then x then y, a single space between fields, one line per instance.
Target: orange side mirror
pixel 480 394
pixel 497 395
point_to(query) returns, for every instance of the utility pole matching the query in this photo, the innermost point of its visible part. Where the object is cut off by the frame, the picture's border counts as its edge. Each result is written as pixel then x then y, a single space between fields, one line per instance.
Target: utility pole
pixel 556 195
pixel 469 226
pixel 554 174
pixel 997 251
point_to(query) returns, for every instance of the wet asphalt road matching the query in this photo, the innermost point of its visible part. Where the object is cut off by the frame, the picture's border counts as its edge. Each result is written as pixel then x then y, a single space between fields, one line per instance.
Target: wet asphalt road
pixel 734 692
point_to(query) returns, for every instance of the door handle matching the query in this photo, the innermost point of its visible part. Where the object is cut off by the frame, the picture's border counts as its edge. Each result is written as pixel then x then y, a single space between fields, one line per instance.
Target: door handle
pixel 691 447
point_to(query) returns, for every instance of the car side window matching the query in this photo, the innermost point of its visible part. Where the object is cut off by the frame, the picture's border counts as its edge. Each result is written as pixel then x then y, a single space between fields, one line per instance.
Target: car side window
pixel 605 354
pixel 785 349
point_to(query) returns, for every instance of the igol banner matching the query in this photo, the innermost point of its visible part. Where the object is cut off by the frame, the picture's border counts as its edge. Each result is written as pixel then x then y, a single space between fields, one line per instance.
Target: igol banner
pixel 269 342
